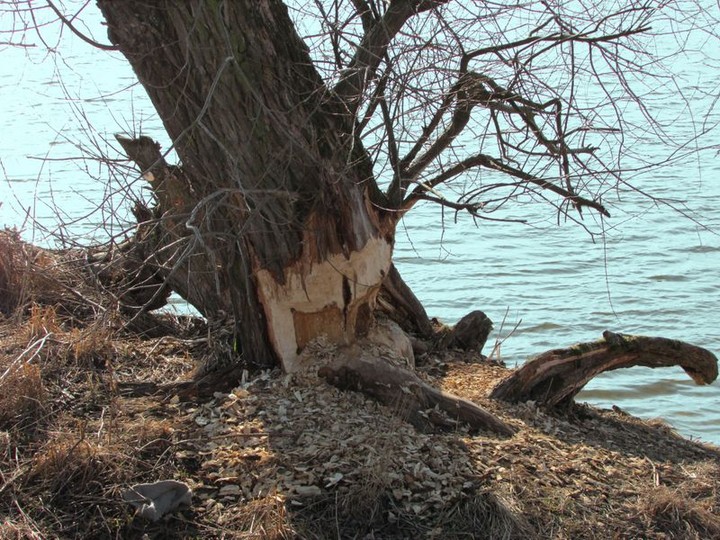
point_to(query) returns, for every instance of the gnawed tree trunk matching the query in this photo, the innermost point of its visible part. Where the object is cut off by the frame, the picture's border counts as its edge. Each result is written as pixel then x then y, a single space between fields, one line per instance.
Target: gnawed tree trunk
pixel 273 220
pixel 555 377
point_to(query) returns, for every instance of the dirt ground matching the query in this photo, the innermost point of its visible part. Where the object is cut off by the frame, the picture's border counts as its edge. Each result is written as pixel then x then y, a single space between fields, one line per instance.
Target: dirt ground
pixel 87 410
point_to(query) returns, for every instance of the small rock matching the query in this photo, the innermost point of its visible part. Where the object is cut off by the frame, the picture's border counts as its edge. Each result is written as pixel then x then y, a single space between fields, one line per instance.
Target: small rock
pixel 308 491
pixel 230 490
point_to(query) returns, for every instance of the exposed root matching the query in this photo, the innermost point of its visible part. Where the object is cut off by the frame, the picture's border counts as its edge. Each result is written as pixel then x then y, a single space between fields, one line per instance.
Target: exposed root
pixel 555 377
pixel 418 401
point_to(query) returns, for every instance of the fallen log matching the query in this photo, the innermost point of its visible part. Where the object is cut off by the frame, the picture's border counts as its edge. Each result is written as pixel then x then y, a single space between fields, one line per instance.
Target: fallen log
pixel 410 396
pixel 555 377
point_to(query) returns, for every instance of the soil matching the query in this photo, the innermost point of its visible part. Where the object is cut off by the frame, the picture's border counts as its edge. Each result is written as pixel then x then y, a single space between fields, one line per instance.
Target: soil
pixel 88 410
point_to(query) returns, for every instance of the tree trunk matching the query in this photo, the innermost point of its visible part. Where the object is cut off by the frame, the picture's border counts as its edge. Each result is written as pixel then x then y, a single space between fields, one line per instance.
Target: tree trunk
pixel 271 221
pixel 555 377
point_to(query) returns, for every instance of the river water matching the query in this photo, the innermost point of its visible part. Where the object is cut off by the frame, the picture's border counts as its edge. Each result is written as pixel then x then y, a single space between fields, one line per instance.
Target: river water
pixel 654 271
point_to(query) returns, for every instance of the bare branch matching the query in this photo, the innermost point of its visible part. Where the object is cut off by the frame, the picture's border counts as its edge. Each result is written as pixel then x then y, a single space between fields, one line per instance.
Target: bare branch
pixel 77 32
pixel 371 50
pixel 482 160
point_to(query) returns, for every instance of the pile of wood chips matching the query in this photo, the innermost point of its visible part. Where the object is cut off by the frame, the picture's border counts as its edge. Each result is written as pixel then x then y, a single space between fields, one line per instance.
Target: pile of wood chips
pixel 337 459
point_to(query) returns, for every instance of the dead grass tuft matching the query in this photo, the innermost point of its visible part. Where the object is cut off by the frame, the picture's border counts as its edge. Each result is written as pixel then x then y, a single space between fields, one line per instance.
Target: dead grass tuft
pixel 264 518
pixel 63 464
pixel 22 395
pixel 11 276
pixel 487 513
pixel 678 514
pixel 57 278
pixel 42 320
pixel 90 347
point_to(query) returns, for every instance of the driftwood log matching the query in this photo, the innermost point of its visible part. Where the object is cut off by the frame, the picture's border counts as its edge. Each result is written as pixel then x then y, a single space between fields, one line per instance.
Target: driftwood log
pixel 410 396
pixel 555 377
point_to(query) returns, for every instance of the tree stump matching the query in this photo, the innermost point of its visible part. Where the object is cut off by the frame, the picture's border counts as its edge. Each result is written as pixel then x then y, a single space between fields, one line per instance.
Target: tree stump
pixel 555 377
pixel 470 333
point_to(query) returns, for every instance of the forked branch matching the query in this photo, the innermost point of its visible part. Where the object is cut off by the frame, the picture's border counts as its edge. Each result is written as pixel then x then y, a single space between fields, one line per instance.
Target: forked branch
pixel 372 49
pixel 481 160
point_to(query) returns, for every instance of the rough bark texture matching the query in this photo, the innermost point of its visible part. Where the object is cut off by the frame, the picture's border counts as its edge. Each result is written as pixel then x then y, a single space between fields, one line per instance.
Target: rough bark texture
pixel 398 301
pixel 470 333
pixel 271 213
pixel 409 395
pixel 555 377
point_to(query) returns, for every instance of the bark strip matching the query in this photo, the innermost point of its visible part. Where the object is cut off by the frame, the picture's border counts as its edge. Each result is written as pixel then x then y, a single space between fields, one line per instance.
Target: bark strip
pixel 555 377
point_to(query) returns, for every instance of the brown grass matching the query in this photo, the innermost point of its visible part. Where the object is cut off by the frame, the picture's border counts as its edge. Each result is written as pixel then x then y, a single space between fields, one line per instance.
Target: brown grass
pixel 22 395
pixel 679 515
pixel 58 279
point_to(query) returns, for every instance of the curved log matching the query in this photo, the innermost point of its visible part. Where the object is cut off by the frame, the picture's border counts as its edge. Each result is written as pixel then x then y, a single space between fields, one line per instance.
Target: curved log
pixel 410 396
pixel 555 377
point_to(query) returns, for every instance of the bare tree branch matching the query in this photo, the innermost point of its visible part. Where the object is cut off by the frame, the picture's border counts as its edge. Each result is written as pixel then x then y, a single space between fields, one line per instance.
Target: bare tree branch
pixel 77 32
pixel 371 50
pixel 482 160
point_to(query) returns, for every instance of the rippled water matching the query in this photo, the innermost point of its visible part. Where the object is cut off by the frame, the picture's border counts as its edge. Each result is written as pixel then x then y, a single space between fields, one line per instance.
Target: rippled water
pixel 655 272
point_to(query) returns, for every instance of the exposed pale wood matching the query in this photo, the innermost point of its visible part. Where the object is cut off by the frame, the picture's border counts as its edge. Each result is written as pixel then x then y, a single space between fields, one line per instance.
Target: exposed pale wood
pixel 322 298
pixel 555 377
pixel 274 187
pixel 403 390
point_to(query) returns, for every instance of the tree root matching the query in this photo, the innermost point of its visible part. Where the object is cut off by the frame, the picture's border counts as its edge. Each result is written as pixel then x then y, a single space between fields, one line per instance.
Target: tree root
pixel 414 399
pixel 555 377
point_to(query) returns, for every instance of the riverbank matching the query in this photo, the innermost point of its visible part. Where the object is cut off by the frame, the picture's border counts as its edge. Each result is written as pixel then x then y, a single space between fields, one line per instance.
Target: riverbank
pixel 87 410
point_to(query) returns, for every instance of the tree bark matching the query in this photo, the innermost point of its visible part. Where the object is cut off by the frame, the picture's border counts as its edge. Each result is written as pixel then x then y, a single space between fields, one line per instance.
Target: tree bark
pixel 272 219
pixel 410 396
pixel 555 377
pixel 399 303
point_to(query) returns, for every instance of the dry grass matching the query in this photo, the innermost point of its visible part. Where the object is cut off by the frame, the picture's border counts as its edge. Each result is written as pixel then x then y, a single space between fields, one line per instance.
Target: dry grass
pixel 56 279
pixel 288 458
pixel 11 262
pixel 22 395
pixel 688 507
pixel 679 515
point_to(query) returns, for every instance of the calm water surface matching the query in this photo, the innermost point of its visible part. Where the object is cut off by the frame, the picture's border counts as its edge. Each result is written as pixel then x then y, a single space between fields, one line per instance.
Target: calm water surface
pixel 655 272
